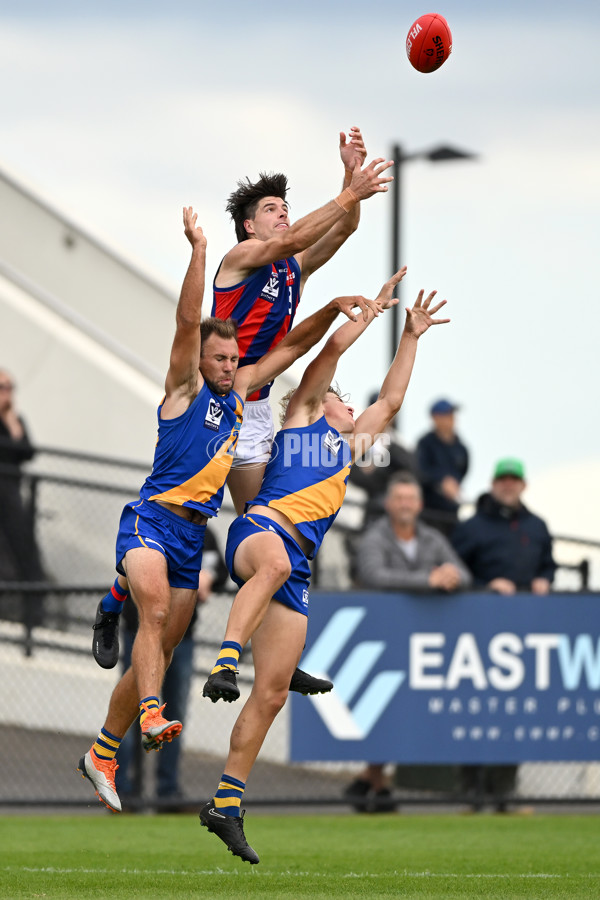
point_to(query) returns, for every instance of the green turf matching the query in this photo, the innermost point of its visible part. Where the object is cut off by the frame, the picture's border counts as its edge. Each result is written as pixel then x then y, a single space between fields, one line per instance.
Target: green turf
pixel 325 856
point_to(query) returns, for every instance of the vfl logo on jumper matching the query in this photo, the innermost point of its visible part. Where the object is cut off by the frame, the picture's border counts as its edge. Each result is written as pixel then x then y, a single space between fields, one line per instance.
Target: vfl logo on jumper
pixel 349 714
pixel 214 415
pixel 270 291
pixel 332 442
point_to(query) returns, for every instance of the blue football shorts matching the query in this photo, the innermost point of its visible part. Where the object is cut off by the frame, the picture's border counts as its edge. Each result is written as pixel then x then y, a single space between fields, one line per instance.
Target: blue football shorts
pixel 148 524
pixel 294 593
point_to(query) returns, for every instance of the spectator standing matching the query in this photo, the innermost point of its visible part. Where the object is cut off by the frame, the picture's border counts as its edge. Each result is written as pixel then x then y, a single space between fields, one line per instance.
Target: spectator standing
pixel 398 552
pixel 443 462
pixel 19 550
pixel 508 549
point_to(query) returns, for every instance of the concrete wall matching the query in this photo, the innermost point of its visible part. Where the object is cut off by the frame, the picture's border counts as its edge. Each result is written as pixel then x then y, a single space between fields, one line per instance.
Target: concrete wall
pixel 85 335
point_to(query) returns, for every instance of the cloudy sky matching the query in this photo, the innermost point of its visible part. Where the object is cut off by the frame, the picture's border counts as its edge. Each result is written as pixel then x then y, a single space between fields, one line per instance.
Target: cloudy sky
pixel 119 113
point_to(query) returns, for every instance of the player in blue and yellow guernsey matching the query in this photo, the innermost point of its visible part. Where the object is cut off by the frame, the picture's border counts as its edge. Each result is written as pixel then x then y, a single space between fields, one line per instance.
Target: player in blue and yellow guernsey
pixel 159 544
pixel 269 546
pixel 260 281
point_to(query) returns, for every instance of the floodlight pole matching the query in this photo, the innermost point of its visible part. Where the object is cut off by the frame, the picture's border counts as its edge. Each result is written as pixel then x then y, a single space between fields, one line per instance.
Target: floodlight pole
pixel 437 154
pixel 397 157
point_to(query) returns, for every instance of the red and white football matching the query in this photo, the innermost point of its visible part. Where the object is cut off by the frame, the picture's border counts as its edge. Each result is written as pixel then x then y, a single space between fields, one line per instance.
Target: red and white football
pixel 429 42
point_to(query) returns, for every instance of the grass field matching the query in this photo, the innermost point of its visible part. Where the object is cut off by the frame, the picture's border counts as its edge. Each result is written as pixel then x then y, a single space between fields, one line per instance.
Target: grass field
pixel 326 856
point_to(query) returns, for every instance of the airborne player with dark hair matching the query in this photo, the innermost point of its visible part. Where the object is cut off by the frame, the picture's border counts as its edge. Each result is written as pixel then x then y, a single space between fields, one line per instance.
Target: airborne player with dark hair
pixel 260 280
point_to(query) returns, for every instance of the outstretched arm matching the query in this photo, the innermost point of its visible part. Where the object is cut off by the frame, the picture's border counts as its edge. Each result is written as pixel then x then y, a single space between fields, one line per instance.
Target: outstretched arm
pixel 318 376
pixel 251 254
pixel 183 378
pixel 299 341
pixel 352 152
pixel 375 418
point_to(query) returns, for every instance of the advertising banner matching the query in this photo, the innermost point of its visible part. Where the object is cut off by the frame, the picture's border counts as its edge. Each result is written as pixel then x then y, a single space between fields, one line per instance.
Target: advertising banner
pixel 469 678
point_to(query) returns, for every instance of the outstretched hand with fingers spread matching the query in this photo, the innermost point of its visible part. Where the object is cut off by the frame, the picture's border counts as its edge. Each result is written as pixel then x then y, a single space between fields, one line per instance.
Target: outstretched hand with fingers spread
pixel 420 317
pixel 372 179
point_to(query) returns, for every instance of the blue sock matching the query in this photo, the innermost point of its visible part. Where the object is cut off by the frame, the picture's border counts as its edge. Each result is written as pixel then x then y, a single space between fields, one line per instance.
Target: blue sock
pixel 229 796
pixel 114 600
pixel 228 658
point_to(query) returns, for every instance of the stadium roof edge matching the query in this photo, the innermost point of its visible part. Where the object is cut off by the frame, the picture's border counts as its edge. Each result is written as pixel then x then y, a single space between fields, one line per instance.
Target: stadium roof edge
pixel 33 194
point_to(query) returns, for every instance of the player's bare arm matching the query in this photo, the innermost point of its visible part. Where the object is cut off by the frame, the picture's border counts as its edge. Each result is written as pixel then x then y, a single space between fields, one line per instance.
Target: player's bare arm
pixel 376 417
pixel 305 404
pixel 300 340
pixel 280 240
pixel 183 379
pixel 352 151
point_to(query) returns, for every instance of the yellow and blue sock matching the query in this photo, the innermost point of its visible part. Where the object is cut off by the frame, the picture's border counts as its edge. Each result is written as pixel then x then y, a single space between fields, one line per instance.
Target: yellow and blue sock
pixel 114 600
pixel 229 795
pixel 228 658
pixel 106 745
pixel 146 706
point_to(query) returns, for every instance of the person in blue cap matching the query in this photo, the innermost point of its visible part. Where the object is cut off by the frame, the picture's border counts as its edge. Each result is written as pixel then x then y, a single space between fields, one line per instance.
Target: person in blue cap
pixel 443 462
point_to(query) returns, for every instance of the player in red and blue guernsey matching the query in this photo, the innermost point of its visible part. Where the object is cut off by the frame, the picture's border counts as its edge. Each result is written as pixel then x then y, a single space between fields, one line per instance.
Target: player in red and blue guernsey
pixel 260 281
pixel 268 547
pixel 160 538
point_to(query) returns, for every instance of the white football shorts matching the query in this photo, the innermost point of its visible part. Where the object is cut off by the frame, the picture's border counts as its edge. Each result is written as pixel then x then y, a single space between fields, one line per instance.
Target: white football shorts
pixel 256 434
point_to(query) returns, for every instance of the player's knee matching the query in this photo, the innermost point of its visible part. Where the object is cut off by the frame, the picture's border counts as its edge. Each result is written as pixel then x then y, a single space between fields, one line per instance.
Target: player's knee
pixel 274 700
pixel 155 619
pixel 276 570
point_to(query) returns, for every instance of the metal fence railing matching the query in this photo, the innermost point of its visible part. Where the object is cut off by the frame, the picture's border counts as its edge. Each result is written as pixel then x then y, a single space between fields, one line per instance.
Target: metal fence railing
pixel 56 696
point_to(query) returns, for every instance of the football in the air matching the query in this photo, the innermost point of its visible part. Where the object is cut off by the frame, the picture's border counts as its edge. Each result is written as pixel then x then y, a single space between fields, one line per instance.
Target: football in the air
pixel 429 42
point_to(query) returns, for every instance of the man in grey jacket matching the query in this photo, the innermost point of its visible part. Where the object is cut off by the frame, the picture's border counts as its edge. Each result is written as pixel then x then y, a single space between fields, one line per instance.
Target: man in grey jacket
pixel 400 553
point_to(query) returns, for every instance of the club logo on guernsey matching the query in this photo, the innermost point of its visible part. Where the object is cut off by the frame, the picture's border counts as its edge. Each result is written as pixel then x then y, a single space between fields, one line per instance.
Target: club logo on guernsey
pixel 270 291
pixel 214 414
pixel 332 442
